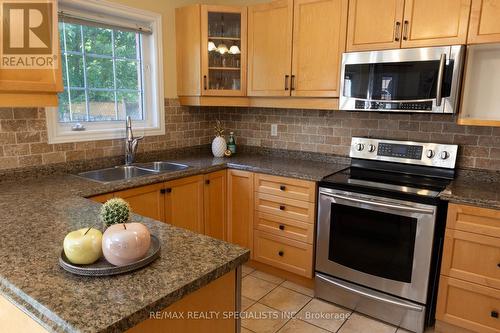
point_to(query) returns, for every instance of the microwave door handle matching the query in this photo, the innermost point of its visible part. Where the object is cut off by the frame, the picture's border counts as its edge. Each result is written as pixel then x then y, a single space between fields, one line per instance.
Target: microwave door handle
pixel 439 88
pixel 383 204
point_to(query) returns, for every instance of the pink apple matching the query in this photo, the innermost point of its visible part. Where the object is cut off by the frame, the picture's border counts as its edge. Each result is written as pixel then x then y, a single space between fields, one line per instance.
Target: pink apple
pixel 123 244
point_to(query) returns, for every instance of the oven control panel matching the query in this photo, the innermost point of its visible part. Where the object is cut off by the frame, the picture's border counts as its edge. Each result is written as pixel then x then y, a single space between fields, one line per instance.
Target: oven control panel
pixel 418 153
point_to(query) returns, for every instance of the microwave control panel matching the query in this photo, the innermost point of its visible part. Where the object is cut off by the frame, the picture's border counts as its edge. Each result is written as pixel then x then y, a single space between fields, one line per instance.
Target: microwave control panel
pixel 388 106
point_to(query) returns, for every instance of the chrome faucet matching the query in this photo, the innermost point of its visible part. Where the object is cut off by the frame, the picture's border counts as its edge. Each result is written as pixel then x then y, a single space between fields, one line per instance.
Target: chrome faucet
pixel 130 143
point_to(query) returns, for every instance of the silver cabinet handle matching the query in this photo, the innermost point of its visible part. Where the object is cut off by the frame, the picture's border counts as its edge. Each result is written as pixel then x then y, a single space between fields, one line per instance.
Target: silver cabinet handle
pixel 397 31
pixel 405 29
pixel 361 292
pixel 383 204
pixel 439 88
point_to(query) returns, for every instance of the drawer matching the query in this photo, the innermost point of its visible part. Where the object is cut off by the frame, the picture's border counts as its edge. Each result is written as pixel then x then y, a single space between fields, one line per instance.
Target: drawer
pixel 468 305
pixel 472 257
pixel 474 219
pixel 285 187
pixel 284 207
pixel 279 226
pixel 280 252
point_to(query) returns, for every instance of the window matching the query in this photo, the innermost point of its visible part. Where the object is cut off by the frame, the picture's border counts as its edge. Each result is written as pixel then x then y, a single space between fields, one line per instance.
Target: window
pixel 111 67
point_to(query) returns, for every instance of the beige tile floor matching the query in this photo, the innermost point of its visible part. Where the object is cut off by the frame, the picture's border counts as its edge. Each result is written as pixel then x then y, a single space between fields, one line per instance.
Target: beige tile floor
pixel 274 305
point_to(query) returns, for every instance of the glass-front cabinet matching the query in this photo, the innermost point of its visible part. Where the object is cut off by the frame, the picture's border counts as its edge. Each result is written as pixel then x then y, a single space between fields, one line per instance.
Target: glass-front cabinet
pixel 223 47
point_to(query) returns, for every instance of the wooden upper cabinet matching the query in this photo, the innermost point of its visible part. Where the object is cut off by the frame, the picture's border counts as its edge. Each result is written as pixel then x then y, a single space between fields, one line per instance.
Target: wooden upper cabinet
pixel 319 34
pixel 188 50
pixel 240 207
pixel 374 24
pixel 215 205
pixel 146 200
pixel 435 22
pixel 223 50
pixel 484 25
pixel 184 203
pixel 270 48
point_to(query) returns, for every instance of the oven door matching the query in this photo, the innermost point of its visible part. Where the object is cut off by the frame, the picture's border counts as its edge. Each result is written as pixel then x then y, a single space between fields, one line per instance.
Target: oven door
pixel 404 80
pixel 377 242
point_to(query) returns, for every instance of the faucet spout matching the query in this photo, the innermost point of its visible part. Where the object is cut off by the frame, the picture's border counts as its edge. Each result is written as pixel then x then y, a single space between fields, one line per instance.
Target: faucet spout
pixel 131 142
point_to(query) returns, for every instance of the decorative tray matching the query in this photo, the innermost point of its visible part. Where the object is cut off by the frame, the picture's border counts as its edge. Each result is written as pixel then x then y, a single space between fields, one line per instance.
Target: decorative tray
pixel 103 268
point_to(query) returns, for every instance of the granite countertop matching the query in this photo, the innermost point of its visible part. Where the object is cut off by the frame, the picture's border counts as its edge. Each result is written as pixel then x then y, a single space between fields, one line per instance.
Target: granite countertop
pixel 38 212
pixel 474 187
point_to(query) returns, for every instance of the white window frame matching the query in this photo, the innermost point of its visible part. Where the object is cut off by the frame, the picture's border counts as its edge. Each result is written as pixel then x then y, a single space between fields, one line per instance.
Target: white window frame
pixel 152 59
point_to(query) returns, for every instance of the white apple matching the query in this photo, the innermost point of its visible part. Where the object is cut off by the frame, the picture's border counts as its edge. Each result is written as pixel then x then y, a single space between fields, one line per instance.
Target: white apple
pixel 123 244
pixel 83 246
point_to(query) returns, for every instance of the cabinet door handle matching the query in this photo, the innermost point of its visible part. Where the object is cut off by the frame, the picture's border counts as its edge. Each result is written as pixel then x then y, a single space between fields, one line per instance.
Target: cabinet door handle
pixel 405 30
pixel 282 187
pixel 397 31
pixel 498 265
pixel 207 181
pixel 281 253
pixel 168 190
pixel 163 191
pixel 292 83
pixel 282 227
pixel 282 207
pixel 204 82
pixel 494 314
pixel 286 81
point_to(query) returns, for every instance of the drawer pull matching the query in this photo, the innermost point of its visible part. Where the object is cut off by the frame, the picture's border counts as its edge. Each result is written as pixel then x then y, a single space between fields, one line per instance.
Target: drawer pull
pixel 282 207
pixel 494 314
pixel 282 187
pixel 207 181
pixel 281 254
pixel 282 227
pixel 498 265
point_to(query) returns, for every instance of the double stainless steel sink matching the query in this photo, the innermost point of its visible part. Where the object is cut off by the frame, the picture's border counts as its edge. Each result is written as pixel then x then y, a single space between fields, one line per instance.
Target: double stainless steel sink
pixel 125 172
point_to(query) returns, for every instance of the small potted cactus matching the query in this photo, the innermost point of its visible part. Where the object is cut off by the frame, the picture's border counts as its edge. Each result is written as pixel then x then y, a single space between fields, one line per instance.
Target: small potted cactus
pixel 123 243
pixel 219 145
pixel 115 211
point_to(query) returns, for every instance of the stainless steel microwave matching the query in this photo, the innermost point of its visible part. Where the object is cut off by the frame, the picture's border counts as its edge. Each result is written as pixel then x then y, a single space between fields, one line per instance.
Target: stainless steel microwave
pixel 402 80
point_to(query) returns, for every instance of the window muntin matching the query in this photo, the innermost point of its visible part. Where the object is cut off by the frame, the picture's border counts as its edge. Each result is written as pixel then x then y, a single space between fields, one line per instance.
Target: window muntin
pixel 102 74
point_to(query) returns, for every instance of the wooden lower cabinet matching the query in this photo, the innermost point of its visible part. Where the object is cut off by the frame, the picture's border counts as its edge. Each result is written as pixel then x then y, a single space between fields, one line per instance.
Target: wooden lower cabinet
pixel 468 305
pixel 214 204
pixel 184 203
pixel 284 253
pixel 102 198
pixel 469 289
pixel 145 200
pixel 240 208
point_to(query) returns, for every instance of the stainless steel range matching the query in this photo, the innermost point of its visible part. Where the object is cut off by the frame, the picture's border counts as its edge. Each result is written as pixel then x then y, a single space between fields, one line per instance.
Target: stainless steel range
pixel 380 230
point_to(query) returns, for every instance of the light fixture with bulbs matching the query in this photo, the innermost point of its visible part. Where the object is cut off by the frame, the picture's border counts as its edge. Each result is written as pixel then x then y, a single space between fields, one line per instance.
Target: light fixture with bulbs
pixel 222 48
pixel 211 46
pixel 234 50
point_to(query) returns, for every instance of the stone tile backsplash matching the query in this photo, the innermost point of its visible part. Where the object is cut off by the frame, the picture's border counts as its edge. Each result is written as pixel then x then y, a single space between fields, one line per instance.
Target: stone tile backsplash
pixel 23 133
pixel 24 143
pixel 331 131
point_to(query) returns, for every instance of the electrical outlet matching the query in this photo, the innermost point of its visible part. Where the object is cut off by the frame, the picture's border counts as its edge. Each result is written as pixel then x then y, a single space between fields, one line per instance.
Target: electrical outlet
pixel 274 129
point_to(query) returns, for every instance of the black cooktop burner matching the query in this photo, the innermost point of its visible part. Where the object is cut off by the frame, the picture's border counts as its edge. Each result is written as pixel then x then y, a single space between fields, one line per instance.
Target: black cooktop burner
pixel 397 184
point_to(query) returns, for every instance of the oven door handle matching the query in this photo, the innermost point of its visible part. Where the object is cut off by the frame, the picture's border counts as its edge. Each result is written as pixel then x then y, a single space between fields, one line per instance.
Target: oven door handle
pixel 360 292
pixel 382 204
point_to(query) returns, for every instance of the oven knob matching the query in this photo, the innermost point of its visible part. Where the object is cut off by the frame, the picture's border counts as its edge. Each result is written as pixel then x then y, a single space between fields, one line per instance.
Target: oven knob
pixel 371 148
pixel 360 147
pixel 429 153
pixel 444 155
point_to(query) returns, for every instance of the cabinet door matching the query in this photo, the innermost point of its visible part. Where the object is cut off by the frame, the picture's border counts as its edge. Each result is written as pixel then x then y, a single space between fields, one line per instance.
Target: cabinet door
pixel 374 24
pixel 270 48
pixel 223 47
pixel 214 202
pixel 319 33
pixel 188 50
pixel 240 207
pixel 146 200
pixel 102 198
pixel 431 22
pixel 484 25
pixel 184 203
